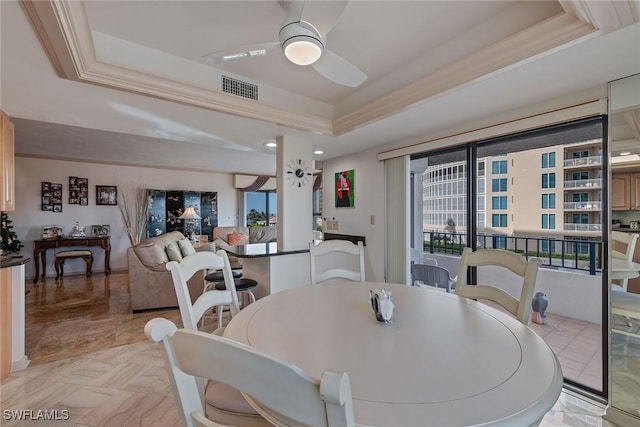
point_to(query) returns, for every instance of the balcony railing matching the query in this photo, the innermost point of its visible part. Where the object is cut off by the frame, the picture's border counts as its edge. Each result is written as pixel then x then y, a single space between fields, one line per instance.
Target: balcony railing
pixel 583 161
pixel 569 226
pixel 567 253
pixel 584 183
pixel 583 206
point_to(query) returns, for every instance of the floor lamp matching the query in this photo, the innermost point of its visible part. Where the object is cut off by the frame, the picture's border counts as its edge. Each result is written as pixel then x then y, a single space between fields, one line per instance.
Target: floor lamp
pixel 189 216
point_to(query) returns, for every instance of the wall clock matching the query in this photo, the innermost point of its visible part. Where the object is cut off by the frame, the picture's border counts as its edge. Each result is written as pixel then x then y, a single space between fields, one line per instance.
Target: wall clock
pixel 298 173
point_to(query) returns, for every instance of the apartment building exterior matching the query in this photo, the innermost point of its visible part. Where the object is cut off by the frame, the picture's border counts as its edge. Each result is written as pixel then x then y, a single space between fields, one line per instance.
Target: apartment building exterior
pixel 541 196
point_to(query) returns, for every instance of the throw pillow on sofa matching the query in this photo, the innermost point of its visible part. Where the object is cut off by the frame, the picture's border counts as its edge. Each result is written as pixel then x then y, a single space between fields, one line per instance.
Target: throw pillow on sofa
pixel 173 252
pixel 186 248
pixel 152 255
pixel 235 239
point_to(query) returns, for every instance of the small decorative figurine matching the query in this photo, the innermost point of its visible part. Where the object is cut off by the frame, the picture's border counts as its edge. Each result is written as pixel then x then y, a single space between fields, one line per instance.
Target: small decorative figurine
pixel 539 306
pixel 77 230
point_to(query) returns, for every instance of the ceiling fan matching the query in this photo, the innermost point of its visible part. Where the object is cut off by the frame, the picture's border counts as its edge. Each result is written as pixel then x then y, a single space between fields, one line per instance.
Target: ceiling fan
pixel 303 42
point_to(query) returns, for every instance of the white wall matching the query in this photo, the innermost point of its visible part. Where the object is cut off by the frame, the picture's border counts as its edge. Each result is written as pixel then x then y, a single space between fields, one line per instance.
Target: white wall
pixel 28 219
pixel 369 200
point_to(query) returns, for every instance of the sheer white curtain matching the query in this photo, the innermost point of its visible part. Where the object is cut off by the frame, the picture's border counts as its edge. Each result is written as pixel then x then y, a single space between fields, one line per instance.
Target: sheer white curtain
pixel 398 217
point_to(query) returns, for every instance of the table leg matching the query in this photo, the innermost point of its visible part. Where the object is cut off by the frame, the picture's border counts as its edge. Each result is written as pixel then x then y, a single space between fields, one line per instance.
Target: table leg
pixel 107 257
pixel 43 260
pixel 36 260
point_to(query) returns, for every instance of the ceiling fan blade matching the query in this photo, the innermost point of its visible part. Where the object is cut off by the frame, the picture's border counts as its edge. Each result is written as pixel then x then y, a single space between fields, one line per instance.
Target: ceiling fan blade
pixel 294 9
pixel 339 70
pixel 323 15
pixel 243 52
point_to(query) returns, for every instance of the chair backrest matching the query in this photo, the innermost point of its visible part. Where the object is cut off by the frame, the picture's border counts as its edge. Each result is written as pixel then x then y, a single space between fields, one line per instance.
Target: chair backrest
pixel 336 259
pixel 417 256
pixel 527 270
pixel 276 385
pixel 627 239
pixel 431 275
pixel 182 271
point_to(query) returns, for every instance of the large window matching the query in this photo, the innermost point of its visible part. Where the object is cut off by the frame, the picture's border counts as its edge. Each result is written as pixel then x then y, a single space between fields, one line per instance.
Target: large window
pixel 548 200
pixel 498 184
pixel 499 220
pixel 499 202
pixel 261 208
pixel 499 167
pixel 512 199
pixel 548 180
pixel 548 160
pixel 548 221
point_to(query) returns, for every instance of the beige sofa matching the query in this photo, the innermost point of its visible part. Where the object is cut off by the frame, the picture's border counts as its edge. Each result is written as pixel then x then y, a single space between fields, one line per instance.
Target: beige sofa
pixel 150 283
pixel 263 234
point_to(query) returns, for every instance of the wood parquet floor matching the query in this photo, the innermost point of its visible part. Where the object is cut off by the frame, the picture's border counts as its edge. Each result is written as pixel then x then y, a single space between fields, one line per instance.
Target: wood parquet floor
pixel 77 315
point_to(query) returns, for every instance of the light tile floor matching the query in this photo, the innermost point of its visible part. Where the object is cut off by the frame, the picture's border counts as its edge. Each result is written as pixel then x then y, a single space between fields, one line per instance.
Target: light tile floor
pixel 89 356
pixel 128 386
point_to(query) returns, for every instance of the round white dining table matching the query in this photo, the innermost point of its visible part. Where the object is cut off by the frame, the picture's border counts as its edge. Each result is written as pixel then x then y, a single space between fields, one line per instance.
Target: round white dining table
pixel 442 361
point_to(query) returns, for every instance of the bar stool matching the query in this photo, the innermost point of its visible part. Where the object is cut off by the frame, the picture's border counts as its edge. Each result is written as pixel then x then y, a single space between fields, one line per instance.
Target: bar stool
pixel 215 281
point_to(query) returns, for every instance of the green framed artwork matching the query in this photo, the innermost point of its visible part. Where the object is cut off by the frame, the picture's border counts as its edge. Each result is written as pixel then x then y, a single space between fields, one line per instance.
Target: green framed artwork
pixel 345 188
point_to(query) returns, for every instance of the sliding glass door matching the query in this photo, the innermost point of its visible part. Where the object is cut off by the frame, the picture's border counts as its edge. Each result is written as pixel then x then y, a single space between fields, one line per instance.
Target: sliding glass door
pixel 540 193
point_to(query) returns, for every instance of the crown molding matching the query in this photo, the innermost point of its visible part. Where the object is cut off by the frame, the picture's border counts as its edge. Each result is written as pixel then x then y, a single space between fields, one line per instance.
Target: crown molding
pixel 536 41
pixel 64 31
pixel 63 28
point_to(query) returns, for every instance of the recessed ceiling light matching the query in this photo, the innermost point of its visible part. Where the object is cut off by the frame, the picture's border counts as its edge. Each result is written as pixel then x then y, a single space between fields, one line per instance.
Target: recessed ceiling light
pixel 271 144
pixel 318 152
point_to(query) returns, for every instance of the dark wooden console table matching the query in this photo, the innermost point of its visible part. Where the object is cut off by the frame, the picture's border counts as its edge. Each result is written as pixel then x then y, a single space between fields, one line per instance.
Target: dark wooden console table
pixel 40 250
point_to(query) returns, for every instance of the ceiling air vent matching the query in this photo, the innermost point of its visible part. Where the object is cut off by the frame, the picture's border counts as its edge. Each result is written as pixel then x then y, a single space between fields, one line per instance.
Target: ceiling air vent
pixel 239 88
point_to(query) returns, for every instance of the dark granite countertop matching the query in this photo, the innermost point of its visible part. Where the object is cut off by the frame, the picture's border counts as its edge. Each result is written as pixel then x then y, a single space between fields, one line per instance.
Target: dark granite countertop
pixel 11 260
pixel 256 250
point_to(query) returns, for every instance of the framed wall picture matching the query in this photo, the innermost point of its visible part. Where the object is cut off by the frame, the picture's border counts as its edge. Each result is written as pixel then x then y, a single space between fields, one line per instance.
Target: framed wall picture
pixel 345 188
pixel 78 191
pixel 51 200
pixel 106 195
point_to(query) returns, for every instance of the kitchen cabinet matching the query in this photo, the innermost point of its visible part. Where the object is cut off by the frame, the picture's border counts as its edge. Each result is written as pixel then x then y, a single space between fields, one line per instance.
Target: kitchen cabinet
pixel 625 191
pixel 7 164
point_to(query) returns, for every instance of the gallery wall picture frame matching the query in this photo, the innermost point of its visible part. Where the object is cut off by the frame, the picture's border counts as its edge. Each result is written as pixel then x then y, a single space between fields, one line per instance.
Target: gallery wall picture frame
pixel 345 182
pixel 106 195
pixel 51 200
pixel 101 230
pixel 78 191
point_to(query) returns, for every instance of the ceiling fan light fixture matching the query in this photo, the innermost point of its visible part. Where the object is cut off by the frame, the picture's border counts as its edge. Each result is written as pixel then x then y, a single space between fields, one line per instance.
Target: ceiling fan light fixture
pixel 302 50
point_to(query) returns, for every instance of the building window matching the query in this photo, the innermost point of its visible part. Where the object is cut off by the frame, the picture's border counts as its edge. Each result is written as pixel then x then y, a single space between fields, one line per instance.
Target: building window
pixel 576 176
pixel 548 200
pixel 580 154
pixel 499 220
pixel 499 202
pixel 548 245
pixel 499 167
pixel 580 197
pixel 498 185
pixel 261 208
pixel 548 221
pixel 548 180
pixel 548 160
pixel 480 168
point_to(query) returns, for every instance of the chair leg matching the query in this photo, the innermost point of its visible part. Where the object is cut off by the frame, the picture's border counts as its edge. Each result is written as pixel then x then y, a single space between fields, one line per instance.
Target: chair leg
pixel 219 310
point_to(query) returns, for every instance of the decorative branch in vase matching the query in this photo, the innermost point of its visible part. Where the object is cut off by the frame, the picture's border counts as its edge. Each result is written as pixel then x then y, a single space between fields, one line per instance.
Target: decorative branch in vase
pixel 134 207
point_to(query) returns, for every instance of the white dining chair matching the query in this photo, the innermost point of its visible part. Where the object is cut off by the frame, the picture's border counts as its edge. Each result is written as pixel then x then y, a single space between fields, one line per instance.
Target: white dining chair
pixel 336 259
pixel 628 240
pixel 182 271
pixel 431 275
pixel 223 403
pixel 276 385
pixel 499 258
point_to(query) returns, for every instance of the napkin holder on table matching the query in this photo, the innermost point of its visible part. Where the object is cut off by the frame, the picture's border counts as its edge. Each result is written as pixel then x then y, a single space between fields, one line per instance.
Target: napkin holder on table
pixel 382 304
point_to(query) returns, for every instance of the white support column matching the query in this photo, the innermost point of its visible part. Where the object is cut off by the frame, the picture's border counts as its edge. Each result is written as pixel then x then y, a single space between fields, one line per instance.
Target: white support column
pixel 294 176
